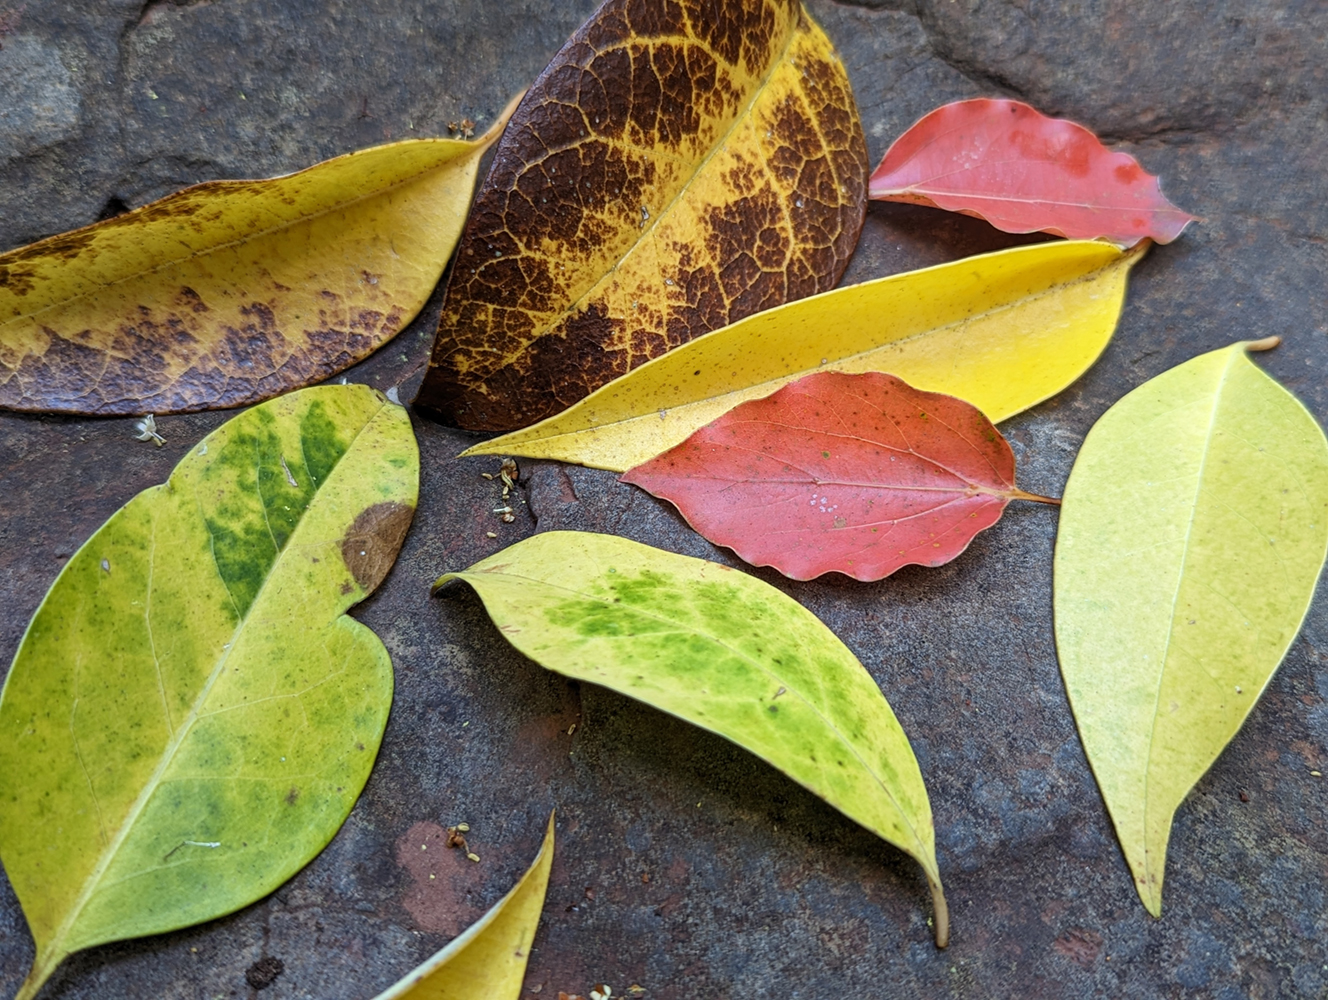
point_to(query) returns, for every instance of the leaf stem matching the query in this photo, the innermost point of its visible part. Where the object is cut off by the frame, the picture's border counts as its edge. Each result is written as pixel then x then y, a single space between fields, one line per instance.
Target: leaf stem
pixel 42 967
pixel 1018 494
pixel 942 911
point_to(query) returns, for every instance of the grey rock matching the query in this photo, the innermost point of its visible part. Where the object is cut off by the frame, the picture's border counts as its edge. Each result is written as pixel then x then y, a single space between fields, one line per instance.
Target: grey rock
pixel 754 886
pixel 42 104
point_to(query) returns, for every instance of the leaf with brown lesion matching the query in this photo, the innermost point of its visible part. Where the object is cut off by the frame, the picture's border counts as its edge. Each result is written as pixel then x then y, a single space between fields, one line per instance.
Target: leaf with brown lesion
pixel 677 167
pixel 229 292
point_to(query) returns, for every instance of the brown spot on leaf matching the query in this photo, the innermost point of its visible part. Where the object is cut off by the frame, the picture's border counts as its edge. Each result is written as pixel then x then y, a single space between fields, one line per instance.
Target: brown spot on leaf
pixel 370 546
pixel 16 280
pixel 292 796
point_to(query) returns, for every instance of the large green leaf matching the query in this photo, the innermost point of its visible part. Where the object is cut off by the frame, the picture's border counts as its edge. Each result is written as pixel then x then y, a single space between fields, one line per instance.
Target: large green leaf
pixel 1193 530
pixel 190 715
pixel 724 651
pixel 488 961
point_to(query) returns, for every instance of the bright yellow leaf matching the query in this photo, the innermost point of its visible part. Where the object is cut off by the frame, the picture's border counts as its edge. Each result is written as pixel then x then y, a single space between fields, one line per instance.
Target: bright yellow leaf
pixel 1003 331
pixel 487 961
pixel 233 291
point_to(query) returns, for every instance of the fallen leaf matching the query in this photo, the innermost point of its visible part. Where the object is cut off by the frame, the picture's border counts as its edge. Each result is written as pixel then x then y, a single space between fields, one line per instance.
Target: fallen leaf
pixel 1003 331
pixel 674 169
pixel 488 960
pixel 229 292
pixel 724 651
pixel 856 474
pixel 1194 528
pixel 191 715
pixel 1021 171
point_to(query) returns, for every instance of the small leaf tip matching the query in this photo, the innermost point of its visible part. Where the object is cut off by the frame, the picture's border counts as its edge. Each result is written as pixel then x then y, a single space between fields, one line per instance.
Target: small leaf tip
pixel 500 123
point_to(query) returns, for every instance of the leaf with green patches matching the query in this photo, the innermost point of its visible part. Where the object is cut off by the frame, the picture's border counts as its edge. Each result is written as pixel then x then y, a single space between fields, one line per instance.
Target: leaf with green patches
pixel 722 650
pixel 191 714
pixel 488 961
pixel 1193 530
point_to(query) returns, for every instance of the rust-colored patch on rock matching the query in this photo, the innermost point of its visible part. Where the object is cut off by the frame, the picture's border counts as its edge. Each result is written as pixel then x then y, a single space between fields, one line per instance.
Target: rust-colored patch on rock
pixel 370 546
pixel 677 167
pixel 1080 946
pixel 439 899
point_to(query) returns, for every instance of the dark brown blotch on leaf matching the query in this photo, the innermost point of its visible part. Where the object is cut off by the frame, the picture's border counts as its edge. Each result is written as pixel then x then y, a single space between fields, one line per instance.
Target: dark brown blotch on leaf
pixel 370 546
pixel 680 165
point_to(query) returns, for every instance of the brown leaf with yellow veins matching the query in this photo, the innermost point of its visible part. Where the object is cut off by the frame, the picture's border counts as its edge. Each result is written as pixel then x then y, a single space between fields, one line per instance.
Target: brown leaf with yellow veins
pixel 679 165
pixel 233 291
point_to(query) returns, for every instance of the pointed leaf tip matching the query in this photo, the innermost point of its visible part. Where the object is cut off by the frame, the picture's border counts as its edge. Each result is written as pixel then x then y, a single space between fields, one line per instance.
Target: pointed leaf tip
pixel 488 960
pixel 1007 163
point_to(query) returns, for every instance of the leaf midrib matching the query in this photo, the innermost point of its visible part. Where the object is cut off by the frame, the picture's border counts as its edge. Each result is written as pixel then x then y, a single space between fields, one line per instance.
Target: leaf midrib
pixel 923 856
pixel 109 853
pixel 921 188
pixel 720 143
pixel 1175 600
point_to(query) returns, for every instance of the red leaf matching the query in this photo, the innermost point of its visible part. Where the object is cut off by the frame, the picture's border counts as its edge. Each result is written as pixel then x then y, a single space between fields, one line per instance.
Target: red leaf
pixel 1021 171
pixel 860 474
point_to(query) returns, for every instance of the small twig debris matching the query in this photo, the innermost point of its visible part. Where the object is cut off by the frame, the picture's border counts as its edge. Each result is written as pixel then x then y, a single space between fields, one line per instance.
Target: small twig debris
pixel 456 838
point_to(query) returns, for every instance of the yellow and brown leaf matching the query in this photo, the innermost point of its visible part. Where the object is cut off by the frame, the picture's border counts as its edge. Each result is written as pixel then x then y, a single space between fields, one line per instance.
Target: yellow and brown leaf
pixel 678 166
pixel 232 291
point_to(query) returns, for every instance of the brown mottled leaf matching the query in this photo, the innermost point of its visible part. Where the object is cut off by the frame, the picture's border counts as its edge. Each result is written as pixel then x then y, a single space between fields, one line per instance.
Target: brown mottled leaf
pixel 232 291
pixel 679 165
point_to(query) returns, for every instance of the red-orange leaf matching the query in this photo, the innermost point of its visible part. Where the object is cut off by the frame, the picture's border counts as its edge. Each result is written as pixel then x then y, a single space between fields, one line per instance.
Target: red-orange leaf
pixel 1021 171
pixel 859 474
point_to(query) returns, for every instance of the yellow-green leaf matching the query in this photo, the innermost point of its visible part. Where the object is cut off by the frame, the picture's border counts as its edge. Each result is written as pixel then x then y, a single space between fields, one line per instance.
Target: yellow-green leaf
pixel 191 715
pixel 1194 527
pixel 1003 331
pixel 679 165
pixel 233 291
pixel 724 651
pixel 487 961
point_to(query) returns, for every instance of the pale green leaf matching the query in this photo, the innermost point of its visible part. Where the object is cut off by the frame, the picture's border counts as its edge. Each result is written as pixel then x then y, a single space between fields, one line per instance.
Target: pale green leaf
pixel 191 715
pixel 722 650
pixel 1194 527
pixel 488 960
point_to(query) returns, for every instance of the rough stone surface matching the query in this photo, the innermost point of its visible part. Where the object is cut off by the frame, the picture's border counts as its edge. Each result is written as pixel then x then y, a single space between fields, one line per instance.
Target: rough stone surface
pixel 754 887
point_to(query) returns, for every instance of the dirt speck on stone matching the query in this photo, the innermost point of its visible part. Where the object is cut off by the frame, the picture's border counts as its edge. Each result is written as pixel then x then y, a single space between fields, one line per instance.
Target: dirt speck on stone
pixel 264 972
